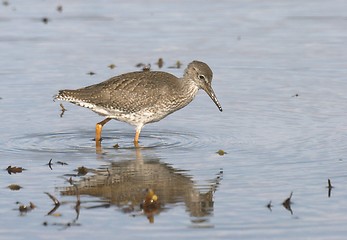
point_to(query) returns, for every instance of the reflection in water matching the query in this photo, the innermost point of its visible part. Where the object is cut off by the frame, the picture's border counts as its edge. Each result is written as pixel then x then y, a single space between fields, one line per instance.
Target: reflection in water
pixel 148 187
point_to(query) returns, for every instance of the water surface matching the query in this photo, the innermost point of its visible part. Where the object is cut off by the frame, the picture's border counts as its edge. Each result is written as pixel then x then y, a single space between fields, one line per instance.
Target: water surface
pixel 279 73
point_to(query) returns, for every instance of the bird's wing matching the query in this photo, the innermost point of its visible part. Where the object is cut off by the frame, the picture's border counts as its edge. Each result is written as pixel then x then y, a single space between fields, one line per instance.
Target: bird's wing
pixel 128 92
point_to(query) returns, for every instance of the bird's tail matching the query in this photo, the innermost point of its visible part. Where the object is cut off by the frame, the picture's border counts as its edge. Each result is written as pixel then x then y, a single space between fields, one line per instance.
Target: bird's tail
pixel 80 97
pixel 65 95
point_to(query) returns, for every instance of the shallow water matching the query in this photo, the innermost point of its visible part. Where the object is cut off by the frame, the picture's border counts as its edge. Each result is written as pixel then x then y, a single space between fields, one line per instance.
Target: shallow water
pixel 279 73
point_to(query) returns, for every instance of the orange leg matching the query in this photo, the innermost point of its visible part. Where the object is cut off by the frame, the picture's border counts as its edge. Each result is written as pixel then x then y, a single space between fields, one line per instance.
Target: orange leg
pixel 98 129
pixel 137 135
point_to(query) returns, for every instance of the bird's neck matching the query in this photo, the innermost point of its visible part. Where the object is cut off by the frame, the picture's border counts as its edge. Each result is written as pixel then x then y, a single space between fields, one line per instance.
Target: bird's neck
pixel 188 89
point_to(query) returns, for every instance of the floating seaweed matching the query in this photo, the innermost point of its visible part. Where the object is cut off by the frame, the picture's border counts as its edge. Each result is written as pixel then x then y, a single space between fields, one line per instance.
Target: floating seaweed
pixel 26 208
pixel 81 171
pixel 221 152
pixel 14 187
pixel 14 169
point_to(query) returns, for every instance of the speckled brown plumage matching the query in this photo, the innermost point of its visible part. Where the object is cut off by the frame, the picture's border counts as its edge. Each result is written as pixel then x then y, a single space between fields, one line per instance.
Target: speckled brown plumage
pixel 139 98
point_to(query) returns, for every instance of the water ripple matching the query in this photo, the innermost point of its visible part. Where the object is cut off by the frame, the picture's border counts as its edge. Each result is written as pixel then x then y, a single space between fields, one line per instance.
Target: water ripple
pixel 82 141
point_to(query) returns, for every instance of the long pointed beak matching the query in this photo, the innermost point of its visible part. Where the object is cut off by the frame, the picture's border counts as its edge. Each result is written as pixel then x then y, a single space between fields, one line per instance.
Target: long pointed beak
pixel 208 89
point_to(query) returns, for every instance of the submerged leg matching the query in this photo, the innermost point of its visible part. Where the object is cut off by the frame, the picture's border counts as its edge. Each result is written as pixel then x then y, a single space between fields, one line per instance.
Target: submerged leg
pixel 98 129
pixel 137 135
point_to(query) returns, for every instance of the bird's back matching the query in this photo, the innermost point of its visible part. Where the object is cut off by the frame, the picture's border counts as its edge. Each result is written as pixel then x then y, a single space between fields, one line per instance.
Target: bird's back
pixel 127 93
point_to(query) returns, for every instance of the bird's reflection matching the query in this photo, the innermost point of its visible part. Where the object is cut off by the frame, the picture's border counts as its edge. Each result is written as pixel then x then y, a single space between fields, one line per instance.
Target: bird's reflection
pixel 148 187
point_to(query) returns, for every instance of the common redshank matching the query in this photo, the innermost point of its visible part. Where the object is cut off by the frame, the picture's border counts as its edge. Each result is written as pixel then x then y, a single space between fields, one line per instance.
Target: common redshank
pixel 143 97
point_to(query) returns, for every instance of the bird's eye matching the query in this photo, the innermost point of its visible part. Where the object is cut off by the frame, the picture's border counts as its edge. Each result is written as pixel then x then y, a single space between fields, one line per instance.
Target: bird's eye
pixel 201 77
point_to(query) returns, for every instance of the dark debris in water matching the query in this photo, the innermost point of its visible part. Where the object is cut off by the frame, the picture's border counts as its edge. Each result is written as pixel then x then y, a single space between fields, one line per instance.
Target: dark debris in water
pixel 178 64
pixel 116 146
pixel 70 180
pixel 145 67
pixel 45 20
pixel 140 65
pixel 221 152
pixel 14 169
pixel 60 8
pixel 101 139
pixel 287 203
pixel 50 163
pixel 77 205
pixel 26 208
pixel 64 225
pixel 61 163
pixel 55 201
pixel 269 206
pixel 150 205
pixel 330 187
pixel 14 187
pixel 112 66
pixel 91 73
pixel 81 171
pixel 160 63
